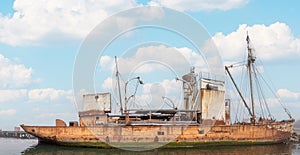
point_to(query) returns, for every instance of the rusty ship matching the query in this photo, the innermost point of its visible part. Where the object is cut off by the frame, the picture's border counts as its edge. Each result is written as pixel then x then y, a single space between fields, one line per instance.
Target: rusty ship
pixel 205 119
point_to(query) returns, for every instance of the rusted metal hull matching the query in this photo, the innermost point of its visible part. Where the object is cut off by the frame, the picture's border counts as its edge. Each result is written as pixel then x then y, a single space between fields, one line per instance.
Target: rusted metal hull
pixel 163 135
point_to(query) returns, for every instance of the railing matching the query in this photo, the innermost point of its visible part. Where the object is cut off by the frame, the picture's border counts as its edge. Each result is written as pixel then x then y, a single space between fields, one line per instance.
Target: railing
pixel 206 75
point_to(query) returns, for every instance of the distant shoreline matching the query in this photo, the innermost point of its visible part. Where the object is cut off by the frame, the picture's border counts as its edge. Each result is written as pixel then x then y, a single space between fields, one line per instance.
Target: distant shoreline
pixel 16 134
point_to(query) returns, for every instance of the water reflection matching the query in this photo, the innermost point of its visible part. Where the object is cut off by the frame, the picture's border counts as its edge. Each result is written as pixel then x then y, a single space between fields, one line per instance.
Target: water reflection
pixel 281 149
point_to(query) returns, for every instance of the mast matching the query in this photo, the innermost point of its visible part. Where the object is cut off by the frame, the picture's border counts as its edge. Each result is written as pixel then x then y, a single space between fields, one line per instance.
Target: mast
pixel 251 60
pixel 118 79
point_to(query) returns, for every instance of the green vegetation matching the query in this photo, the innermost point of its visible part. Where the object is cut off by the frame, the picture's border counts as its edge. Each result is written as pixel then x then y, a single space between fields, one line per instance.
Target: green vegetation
pixel 219 143
pixel 160 144
pixel 85 144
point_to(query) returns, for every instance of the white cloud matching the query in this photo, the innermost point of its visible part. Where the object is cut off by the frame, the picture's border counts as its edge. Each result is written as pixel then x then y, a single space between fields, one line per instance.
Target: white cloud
pixel 9 112
pixel 38 22
pixel 150 58
pixel 106 62
pixel 287 94
pixel 33 20
pixel 35 95
pixel 198 5
pixel 13 75
pixel 194 58
pixel 171 87
pixel 108 83
pixel 48 94
pixel 291 100
pixel 12 95
pixel 152 93
pixel 270 42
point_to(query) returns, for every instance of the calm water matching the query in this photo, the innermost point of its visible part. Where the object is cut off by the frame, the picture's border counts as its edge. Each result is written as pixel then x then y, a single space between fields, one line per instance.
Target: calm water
pixel 29 147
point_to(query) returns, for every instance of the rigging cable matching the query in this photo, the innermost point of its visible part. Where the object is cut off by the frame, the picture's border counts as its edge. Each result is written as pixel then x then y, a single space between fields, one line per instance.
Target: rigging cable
pixel 260 94
pixel 276 96
pixel 265 102
pixel 244 82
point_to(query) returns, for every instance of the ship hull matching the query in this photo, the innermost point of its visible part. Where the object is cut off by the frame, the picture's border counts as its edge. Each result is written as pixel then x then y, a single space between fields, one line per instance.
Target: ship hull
pixel 153 136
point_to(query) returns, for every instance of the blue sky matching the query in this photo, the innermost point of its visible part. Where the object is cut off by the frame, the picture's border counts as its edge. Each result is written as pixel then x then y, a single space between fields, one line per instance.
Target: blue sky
pixel 39 41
